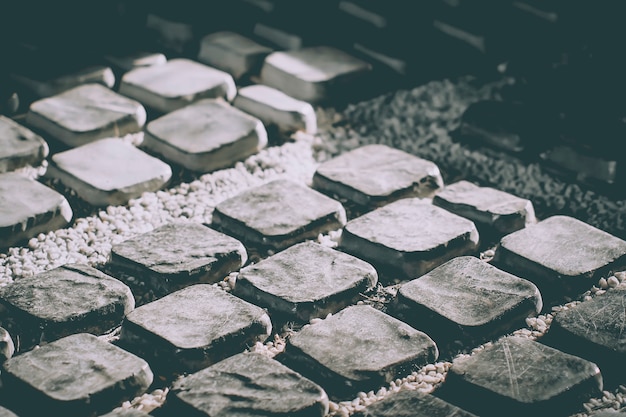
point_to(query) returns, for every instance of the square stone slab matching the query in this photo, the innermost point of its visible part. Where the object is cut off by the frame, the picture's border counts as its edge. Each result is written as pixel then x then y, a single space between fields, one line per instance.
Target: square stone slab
pixel 62 301
pixel 19 146
pixel 137 59
pixel 313 74
pixel 177 255
pixel 562 255
pixel 494 210
pixel 467 301
pixel 520 377
pixel 412 404
pixel 193 328
pixel 247 384
pixel 205 136
pixel 95 75
pixel 276 108
pixel 176 83
pixel 375 175
pixel 358 349
pixel 409 237
pixel 28 208
pixel 233 53
pixel 86 113
pixel 78 375
pixel 109 171
pixel 278 214
pixel 305 281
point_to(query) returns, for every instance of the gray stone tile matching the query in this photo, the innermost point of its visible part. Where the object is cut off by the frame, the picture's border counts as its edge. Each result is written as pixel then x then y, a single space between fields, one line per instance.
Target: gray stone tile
pixel 28 208
pixel 278 214
pixel 375 175
pixel 409 237
pixel 62 301
pixel 96 75
pixel 118 412
pixel 193 328
pixel 109 171
pixel 86 113
pixel 19 146
pixel 247 384
pixel 305 281
pixel 413 404
pixel 234 53
pixel 205 136
pixel 136 60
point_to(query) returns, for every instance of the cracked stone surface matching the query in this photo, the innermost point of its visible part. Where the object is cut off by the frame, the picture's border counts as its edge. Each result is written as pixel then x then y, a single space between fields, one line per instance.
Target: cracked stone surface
pixel 413 404
pixel 233 53
pixel 19 146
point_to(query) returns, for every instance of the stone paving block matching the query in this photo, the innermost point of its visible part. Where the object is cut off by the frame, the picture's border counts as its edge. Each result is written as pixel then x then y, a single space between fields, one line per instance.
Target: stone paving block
pixel 313 74
pixel 234 53
pixel 69 299
pixel 205 136
pixel 86 113
pixel 409 237
pixel 78 375
pixel 109 171
pixel 177 255
pixel 358 349
pixel 94 75
pixel 276 108
pixel 125 413
pixel 176 83
pixel 494 210
pixel 19 146
pixel 413 404
pixel 247 384
pixel 193 328
pixel 520 377
pixel 563 256
pixel 28 208
pixel 466 301
pixel 7 347
pixel 305 281
pixel 136 60
pixel 278 214
pixel 375 175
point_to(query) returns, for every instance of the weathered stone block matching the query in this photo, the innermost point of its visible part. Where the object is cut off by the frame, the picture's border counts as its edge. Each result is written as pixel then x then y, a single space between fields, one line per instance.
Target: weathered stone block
pixel 19 146
pixel 233 53
pixel 413 404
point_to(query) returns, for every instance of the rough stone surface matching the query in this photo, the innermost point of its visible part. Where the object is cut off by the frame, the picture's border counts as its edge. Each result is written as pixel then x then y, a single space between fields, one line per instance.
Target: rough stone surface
pixel 305 281
pixel 233 53
pixel 358 349
pixel 6 413
pixel 19 146
pixel 76 375
pixel 413 404
pixel 125 413
pixel 409 236
pixel 95 75
pixel 7 347
pixel 193 328
pixel 278 214
pixel 137 60
pixel 206 136
pixel 62 301
pixel 109 171
pixel 247 384
pixel 375 175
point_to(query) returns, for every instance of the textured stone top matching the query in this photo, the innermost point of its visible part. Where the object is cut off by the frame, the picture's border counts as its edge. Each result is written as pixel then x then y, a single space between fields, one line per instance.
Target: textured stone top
pixel 18 141
pixel 275 98
pixel 234 43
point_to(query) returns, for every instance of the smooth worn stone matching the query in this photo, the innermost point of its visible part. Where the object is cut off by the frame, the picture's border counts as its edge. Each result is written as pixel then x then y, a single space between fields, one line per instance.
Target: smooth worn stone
pixel 276 108
pixel 562 255
pixel 409 236
pixel 4 412
pixel 412 404
pixel 177 255
pixel 247 384
pixel 278 214
pixel 233 53
pixel 205 136
pixel 176 83
pixel 77 375
pixel 193 328
pixel 467 301
pixel 496 210
pixel 85 114
pixel 93 75
pixel 131 412
pixel 313 74
pixel 28 208
pixel 19 146
pixel 69 299
pixel 520 377
pixel 375 175
pixel 305 281
pixel 7 347
pixel 358 349
pixel 137 60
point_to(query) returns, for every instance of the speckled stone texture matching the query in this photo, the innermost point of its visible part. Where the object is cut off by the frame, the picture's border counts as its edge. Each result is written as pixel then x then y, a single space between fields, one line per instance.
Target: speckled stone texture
pixel 78 375
pixel 193 328
pixel 19 146
pixel 410 237
pixel 520 377
pixel 305 281
pixel 69 299
pixel 247 384
pixel 358 349
pixel 278 214
pixel 233 53
pixel 413 404
pixel 375 175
